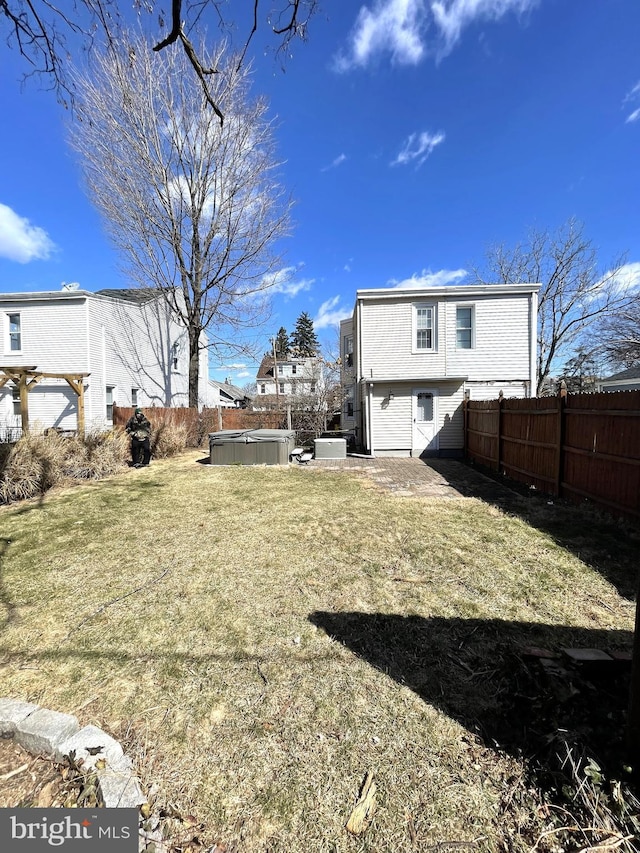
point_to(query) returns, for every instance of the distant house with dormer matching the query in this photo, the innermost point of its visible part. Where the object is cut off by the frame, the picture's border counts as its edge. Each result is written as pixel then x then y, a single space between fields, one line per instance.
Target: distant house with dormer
pixel 289 379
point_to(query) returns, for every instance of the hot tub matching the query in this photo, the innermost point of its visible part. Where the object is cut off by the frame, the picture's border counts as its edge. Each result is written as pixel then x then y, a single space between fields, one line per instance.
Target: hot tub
pixel 251 446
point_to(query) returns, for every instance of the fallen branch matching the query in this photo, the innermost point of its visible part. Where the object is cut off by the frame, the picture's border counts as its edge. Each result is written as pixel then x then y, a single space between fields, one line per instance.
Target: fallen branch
pixel 13 773
pixel 103 607
pixel 363 810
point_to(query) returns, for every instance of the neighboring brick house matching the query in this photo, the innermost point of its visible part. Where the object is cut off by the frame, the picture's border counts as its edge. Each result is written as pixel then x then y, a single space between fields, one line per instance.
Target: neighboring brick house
pixel 409 357
pixel 133 350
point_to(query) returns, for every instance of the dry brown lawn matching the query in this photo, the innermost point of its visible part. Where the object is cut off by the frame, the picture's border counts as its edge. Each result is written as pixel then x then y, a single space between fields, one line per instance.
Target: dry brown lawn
pixel 293 630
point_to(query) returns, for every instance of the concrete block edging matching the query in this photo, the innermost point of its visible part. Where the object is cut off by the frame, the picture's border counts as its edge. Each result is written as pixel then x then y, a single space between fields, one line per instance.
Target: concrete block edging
pixel 51 733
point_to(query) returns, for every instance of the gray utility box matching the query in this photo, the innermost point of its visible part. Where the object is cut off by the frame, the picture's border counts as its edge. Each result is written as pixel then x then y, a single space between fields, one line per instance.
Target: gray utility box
pixel 330 448
pixel 251 446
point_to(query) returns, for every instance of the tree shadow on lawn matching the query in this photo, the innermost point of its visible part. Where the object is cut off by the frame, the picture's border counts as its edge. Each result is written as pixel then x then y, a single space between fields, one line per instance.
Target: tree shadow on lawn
pixel 608 545
pixel 481 673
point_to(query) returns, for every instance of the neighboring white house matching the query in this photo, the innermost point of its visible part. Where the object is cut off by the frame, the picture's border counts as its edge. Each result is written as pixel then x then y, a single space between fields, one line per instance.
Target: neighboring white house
pixel 626 380
pixel 410 356
pixel 226 396
pixel 284 380
pixel 135 353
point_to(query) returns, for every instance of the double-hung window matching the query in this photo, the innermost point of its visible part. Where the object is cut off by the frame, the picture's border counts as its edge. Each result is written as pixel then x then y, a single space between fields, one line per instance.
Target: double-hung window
pixel 424 331
pixel 110 389
pixel 348 351
pixel 464 327
pixel 13 327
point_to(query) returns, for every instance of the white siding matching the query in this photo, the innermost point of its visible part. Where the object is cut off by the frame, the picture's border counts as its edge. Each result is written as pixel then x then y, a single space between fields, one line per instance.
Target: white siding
pixel 118 342
pixel 501 338
pixel 392 420
pixel 386 331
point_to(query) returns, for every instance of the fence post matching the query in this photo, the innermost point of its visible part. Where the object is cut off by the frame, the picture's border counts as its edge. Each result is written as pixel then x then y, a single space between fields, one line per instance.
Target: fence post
pixel 560 431
pixel 219 418
pixel 633 717
pixel 499 435
pixel 465 424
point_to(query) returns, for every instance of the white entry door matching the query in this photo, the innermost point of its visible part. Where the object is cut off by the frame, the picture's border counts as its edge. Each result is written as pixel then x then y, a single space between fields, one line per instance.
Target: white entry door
pixel 425 420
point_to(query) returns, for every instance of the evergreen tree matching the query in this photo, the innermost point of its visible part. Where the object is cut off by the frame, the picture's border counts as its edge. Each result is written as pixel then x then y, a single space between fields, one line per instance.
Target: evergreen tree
pixel 282 345
pixel 303 340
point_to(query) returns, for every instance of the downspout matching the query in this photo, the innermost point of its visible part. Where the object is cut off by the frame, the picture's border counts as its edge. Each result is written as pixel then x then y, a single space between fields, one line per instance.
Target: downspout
pixel 533 343
pixel 370 406
pixel 89 397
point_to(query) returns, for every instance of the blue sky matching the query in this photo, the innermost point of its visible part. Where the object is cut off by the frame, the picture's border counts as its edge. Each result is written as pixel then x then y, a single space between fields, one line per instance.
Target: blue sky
pixel 414 133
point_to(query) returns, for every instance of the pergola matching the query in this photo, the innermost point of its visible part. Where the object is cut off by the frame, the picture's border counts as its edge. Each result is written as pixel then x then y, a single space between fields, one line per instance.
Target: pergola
pixel 26 378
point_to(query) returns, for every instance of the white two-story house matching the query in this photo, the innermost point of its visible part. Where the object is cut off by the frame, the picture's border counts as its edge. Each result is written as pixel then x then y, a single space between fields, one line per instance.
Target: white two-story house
pixel 288 380
pixel 410 356
pixel 125 344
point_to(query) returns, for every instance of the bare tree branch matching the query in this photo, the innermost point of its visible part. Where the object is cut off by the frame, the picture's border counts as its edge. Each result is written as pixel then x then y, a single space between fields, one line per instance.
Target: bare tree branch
pixel 573 294
pixel 193 205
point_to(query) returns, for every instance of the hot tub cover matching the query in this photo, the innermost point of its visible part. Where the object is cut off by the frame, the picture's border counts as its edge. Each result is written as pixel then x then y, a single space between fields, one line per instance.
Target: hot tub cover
pixel 248 436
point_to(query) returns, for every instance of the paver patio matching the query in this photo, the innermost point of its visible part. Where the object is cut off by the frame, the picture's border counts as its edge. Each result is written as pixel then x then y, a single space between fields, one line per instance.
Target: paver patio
pixel 414 477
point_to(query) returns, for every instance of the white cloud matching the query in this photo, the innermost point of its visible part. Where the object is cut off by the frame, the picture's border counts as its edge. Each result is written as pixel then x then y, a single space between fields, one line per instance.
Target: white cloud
pixel 399 28
pixel 632 98
pixel 452 16
pixel 391 26
pixel 426 278
pixel 335 163
pixel 283 281
pixel 626 279
pixel 20 240
pixel 417 147
pixel 243 374
pixel 329 314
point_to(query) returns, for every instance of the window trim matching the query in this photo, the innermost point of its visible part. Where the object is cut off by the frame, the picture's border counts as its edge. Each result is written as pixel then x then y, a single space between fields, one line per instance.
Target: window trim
pixel 417 306
pixel 109 405
pixel 8 350
pixel 472 308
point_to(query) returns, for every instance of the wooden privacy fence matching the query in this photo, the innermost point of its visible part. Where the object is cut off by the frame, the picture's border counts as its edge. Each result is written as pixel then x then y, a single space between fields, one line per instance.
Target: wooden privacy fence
pixel 200 424
pixel 576 446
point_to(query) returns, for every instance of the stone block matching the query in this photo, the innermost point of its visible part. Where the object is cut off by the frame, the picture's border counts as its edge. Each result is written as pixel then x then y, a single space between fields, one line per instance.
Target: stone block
pixel 120 790
pixel 586 655
pixel 42 731
pixel 13 712
pixel 85 743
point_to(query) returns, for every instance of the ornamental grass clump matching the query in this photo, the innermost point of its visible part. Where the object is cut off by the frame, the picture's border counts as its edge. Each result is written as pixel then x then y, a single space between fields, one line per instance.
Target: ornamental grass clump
pixel 40 460
pixel 169 439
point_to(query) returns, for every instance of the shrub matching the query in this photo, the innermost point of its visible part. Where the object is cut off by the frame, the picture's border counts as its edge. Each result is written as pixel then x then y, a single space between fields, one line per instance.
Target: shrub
pixel 39 460
pixel 168 439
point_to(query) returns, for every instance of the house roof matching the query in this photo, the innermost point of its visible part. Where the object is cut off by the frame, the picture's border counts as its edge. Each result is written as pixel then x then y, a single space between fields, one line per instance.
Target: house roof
pixel 129 294
pixel 265 371
pixel 455 290
pixel 231 391
pixel 630 373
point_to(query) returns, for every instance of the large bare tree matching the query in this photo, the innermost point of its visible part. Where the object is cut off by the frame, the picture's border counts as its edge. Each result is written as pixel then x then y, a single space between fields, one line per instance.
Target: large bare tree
pixel 193 205
pixel 621 335
pixel 45 33
pixel 574 293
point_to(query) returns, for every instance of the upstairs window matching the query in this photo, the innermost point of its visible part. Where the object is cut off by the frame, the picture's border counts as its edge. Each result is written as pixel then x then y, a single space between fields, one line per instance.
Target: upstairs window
pixel 263 388
pixel 348 351
pixel 294 369
pixel 281 386
pixel 464 327
pixel 134 397
pixel 14 333
pixel 424 328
